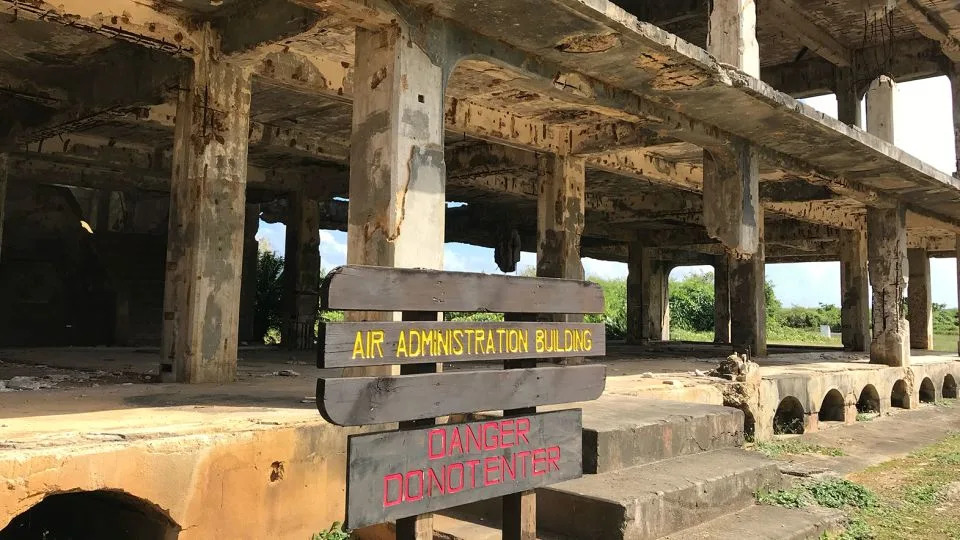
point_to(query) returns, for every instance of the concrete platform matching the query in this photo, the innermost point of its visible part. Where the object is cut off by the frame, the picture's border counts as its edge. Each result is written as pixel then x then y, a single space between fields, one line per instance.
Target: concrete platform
pixel 766 523
pixel 650 501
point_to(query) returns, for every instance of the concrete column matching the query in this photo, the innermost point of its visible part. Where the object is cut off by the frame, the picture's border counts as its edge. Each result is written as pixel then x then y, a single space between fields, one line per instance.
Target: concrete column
pixel 397 172
pixel 248 285
pixel 919 306
pixel 748 303
pixel 887 251
pixel 854 290
pixel 560 210
pixel 954 74
pixel 205 238
pixel 4 160
pixel 301 271
pixel 958 280
pixel 721 300
pixel 732 35
pixel 881 101
pixel 731 174
pixel 634 292
pixel 848 97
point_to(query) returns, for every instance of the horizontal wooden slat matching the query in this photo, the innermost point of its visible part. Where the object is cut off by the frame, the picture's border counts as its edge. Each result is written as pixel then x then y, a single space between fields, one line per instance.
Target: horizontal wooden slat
pixel 397 474
pixel 378 343
pixel 357 401
pixel 372 288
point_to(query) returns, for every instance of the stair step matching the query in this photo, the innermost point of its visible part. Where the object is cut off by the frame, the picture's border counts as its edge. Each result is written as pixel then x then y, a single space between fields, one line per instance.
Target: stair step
pixel 624 431
pixel 766 523
pixel 660 498
pixel 448 528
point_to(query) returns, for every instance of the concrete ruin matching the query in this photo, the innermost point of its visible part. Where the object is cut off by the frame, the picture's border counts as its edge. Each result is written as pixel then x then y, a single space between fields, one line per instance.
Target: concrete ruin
pixel 141 141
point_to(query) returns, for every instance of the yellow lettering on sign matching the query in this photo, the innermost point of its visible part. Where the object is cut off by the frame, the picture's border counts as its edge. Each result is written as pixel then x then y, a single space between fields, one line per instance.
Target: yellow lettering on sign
pixel 376 342
pixel 457 343
pixel 540 340
pixel 358 346
pixel 402 346
pixel 587 340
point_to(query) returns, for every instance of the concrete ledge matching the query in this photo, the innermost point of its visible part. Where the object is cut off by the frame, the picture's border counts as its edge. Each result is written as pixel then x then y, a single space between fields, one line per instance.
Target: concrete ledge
pixel 650 501
pixel 766 523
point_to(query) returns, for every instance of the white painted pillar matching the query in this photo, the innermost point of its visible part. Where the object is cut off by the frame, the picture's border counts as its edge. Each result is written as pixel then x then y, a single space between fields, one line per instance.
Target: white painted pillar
pixel 881 103
pixel 207 205
pixel 954 75
pixel 732 36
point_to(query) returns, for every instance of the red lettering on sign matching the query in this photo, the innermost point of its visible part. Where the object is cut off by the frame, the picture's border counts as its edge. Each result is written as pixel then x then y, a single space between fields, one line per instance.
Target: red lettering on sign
pixel 450 476
pixel 476 438
pixel 455 442
pixel 523 427
pixel 418 474
pixel 511 470
pixel 491 464
pixel 553 457
pixel 472 464
pixel 539 457
pixel 436 451
pixel 433 480
pixel 506 428
pixel 488 428
pixel 386 489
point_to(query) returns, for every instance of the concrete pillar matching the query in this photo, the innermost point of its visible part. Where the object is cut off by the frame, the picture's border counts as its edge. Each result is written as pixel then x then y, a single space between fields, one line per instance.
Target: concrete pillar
pixel 732 35
pixel 954 74
pixel 397 171
pixel 731 174
pixel 648 296
pixel 560 210
pixel 4 160
pixel 958 279
pixel 248 284
pixel 881 101
pixel 887 251
pixel 721 300
pixel 748 303
pixel 848 97
pixel 854 290
pixel 301 271
pixel 919 306
pixel 205 238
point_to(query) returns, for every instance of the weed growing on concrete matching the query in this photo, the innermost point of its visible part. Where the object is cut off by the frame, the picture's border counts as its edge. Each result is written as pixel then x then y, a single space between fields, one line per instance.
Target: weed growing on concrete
pixel 335 532
pixel 775 449
pixel 832 493
pixel 865 417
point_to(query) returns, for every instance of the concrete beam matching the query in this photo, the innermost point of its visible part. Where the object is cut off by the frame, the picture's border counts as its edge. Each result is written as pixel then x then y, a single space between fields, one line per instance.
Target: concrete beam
pixel 732 210
pixel 929 25
pixel 205 239
pixel 790 18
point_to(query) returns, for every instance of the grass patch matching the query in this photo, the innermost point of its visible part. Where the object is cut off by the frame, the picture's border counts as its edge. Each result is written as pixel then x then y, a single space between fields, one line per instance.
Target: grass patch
pixel 865 417
pixel 776 449
pixel 911 497
pixel 831 493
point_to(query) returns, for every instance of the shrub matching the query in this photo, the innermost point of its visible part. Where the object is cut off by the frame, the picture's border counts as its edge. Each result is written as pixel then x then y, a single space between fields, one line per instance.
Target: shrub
pixel 692 303
pixel 267 317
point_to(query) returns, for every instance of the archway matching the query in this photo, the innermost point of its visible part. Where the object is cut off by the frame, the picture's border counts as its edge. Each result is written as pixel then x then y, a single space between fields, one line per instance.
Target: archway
pixel 949 387
pixel 789 417
pixel 833 407
pixel 928 394
pixel 898 396
pixel 91 515
pixel 869 401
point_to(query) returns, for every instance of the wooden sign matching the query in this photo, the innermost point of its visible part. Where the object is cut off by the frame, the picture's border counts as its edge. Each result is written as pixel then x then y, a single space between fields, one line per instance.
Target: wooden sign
pixel 357 401
pixel 373 288
pixel 398 474
pixel 372 344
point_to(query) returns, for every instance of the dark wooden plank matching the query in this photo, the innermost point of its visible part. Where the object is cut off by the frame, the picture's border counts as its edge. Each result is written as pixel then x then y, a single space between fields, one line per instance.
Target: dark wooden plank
pixel 372 288
pixel 361 344
pixel 357 401
pixel 459 464
pixel 519 510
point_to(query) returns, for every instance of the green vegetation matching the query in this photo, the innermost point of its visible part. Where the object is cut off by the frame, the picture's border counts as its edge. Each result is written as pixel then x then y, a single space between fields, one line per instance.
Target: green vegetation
pixel 831 493
pixel 267 318
pixel 779 448
pixel 335 532
pixel 615 304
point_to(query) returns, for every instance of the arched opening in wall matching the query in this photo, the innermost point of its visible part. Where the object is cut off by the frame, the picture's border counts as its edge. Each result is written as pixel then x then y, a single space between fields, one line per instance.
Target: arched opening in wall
pixel 749 424
pixel 869 402
pixel 91 515
pixel 832 408
pixel 691 304
pixel 898 396
pixel 949 387
pixel 928 394
pixel 789 417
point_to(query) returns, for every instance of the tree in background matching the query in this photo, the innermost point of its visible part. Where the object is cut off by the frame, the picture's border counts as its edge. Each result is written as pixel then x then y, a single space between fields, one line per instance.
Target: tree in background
pixel 691 303
pixel 267 317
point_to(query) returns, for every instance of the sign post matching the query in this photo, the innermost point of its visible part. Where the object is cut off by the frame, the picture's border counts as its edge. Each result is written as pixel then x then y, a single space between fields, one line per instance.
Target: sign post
pixel 420 468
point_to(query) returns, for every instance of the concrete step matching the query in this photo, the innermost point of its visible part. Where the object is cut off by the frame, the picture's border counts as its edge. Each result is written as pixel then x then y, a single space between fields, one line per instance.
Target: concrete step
pixel 767 523
pixel 657 499
pixel 624 431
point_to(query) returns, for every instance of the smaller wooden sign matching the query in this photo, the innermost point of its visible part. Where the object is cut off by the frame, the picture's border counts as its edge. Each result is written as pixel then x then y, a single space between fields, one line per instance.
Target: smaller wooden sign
pixel 380 343
pixel 360 401
pixel 397 474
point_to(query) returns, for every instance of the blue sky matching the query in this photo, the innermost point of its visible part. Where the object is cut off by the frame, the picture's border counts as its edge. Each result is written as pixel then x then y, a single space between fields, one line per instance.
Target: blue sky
pixel 923 126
